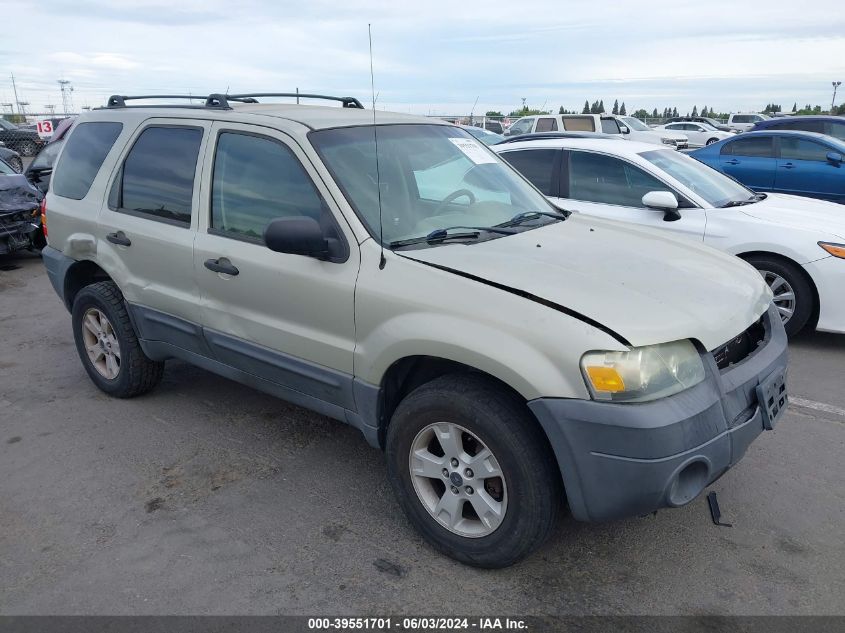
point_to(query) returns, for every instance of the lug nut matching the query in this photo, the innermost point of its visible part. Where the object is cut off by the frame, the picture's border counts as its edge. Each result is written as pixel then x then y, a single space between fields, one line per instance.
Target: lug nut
pixel 469 490
pixel 455 489
pixel 445 472
pixel 468 473
pixel 454 463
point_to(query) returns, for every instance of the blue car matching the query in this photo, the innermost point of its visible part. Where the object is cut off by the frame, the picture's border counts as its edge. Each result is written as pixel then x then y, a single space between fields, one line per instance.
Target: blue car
pixel 799 163
pixel 823 124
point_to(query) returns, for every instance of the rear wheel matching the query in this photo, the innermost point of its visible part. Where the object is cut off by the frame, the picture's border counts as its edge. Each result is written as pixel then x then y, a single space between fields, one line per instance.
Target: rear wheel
pixel 27 148
pixel 793 295
pixel 472 471
pixel 107 345
pixel 16 164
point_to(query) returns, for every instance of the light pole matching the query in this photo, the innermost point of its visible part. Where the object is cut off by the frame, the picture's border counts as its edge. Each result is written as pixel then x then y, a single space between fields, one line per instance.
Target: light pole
pixel 835 84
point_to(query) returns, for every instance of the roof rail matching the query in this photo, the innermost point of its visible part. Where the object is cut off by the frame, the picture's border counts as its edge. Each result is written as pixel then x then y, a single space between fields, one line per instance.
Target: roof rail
pixel 348 102
pixel 216 101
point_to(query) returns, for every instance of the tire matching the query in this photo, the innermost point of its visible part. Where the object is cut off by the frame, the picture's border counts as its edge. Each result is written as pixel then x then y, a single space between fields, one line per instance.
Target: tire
pixel 136 374
pixel 16 164
pixel 774 269
pixel 529 492
pixel 27 148
pixel 710 141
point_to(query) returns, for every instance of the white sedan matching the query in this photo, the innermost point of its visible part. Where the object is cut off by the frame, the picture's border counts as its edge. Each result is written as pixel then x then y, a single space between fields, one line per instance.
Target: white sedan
pixel 699 134
pixel 797 244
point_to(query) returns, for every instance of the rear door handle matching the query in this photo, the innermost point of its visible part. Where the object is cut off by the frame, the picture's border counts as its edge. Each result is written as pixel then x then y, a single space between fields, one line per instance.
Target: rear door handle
pixel 788 166
pixel 733 161
pixel 119 238
pixel 221 265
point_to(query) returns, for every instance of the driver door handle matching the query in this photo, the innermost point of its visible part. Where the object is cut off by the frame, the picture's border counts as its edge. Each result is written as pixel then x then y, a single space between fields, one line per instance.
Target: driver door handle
pixel 732 161
pixel 788 166
pixel 221 265
pixel 119 238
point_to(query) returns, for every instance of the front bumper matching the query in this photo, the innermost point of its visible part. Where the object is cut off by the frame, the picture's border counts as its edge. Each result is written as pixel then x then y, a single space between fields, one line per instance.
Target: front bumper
pixel 829 276
pixel 620 460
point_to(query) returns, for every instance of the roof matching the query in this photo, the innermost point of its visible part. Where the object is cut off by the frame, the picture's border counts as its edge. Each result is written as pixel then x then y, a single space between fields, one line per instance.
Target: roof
pixel 616 147
pixel 802 117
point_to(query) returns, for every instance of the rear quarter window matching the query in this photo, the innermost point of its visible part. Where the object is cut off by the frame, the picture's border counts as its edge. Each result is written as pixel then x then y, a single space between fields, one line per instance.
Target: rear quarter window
pixel 84 153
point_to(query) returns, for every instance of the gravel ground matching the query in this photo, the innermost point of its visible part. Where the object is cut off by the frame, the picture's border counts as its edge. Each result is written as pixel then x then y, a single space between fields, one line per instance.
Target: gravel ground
pixel 207 497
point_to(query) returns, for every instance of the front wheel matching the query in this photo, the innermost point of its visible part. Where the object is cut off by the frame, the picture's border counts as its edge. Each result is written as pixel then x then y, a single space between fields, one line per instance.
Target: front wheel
pixel 27 148
pixel 710 141
pixel 472 471
pixel 793 295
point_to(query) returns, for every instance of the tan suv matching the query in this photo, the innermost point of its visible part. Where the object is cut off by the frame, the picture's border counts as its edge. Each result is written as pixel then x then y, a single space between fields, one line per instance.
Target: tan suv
pixel 401 278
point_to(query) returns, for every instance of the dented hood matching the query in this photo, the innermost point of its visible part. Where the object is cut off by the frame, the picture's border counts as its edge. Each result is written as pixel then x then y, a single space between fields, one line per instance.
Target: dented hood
pixel 642 285
pixel 17 194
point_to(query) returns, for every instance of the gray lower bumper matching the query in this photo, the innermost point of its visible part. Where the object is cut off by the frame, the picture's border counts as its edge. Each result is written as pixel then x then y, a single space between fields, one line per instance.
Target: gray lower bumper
pixel 57 264
pixel 621 460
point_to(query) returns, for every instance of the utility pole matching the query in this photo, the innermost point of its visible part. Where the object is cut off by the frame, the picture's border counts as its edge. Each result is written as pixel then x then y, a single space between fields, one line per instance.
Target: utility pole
pixel 66 88
pixel 836 84
pixel 50 108
pixel 15 88
pixel 22 109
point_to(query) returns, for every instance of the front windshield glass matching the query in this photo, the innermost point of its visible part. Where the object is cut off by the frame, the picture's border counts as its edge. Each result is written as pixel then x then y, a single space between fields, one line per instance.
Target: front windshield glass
pixel 716 188
pixel 432 177
pixel 636 124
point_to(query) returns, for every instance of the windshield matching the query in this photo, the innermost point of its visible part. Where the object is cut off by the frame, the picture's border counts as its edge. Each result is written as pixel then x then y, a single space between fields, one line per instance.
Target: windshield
pixel 716 188
pixel 431 177
pixel 636 124
pixel 485 136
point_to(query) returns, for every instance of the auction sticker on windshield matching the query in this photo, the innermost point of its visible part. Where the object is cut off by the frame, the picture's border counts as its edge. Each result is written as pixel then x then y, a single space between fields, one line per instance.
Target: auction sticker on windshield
pixel 473 150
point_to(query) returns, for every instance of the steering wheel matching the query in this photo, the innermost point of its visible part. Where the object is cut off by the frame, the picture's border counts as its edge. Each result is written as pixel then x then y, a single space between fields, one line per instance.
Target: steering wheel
pixel 454 196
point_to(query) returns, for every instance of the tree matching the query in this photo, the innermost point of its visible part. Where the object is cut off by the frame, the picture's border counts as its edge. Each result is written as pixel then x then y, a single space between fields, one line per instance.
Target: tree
pixel 594 108
pixel 601 107
pixel 705 111
pixel 615 107
pixel 654 114
pixel 586 109
pixel 622 111
pixel 493 113
pixel 694 111
pixel 795 107
pixel 674 112
pixel 643 114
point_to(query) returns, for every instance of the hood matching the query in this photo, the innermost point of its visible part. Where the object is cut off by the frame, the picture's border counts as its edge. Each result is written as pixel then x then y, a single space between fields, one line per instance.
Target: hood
pixel 800 213
pixel 17 194
pixel 640 284
pixel 675 136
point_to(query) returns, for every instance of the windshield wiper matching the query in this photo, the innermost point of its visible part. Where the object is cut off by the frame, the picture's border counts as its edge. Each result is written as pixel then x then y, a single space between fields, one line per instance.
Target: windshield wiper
pixel 439 235
pixel 519 218
pixel 740 203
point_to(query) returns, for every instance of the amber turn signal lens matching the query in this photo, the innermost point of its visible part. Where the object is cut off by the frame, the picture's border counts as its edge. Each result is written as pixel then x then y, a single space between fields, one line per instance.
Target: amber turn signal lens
pixel 605 379
pixel 837 250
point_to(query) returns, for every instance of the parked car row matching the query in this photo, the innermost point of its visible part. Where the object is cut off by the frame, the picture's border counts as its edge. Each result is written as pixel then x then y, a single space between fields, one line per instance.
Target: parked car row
pixel 25 142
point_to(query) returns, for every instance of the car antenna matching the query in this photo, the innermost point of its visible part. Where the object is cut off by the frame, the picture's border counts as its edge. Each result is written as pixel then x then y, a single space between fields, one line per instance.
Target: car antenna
pixel 382 261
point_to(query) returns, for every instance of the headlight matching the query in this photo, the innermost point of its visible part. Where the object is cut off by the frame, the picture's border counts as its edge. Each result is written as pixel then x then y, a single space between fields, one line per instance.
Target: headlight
pixel 837 250
pixel 643 373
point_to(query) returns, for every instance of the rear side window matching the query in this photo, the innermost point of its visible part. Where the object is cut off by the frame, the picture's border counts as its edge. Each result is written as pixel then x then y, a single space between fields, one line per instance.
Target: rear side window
pixel 800 149
pixel 742 118
pixel 610 126
pixel 838 130
pixel 546 124
pixel 807 126
pixel 579 123
pixel 87 147
pixel 536 165
pixel 157 179
pixel 257 180
pixel 758 146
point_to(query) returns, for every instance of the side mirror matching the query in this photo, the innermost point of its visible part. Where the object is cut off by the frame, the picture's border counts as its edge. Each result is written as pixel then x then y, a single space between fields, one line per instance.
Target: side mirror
pixel 835 158
pixel 297 235
pixel 663 201
pixel 624 129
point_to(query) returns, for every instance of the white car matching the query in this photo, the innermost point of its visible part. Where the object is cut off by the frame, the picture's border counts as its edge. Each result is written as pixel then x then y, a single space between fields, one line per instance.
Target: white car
pixel 639 131
pixel 797 244
pixel 744 121
pixel 628 128
pixel 699 134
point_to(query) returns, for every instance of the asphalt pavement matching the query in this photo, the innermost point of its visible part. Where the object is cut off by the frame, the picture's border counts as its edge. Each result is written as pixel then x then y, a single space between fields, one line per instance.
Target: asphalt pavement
pixel 206 497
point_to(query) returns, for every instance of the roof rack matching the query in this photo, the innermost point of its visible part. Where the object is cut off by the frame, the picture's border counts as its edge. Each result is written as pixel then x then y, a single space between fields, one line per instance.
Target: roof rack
pixel 539 136
pixel 221 101
pixel 348 102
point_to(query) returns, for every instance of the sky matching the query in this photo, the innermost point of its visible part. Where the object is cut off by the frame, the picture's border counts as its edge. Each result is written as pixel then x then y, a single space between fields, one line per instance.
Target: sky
pixel 431 57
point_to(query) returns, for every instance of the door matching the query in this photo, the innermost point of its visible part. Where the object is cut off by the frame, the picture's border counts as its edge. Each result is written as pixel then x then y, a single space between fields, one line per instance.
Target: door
pixel 613 188
pixel 540 166
pixel 803 169
pixel 284 318
pixel 751 160
pixel 147 229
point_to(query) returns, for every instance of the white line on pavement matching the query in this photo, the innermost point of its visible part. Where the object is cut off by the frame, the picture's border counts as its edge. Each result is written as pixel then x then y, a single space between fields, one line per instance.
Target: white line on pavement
pixel 818 406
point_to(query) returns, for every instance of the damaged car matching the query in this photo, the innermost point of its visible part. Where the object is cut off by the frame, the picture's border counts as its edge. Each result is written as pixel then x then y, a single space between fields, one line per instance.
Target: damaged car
pixel 20 213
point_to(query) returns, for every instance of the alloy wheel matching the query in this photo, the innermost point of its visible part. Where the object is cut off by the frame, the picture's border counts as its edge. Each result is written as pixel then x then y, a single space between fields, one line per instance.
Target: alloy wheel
pixel 784 295
pixel 101 343
pixel 458 480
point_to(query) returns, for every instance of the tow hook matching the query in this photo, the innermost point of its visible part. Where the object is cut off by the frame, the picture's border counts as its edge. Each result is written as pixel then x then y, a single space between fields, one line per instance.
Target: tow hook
pixel 715 512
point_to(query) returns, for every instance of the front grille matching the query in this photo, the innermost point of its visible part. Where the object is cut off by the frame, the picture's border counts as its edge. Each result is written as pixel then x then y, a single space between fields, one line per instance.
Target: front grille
pixel 741 346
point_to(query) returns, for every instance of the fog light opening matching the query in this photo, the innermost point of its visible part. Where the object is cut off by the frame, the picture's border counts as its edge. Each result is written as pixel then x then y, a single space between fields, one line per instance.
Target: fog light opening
pixel 688 483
